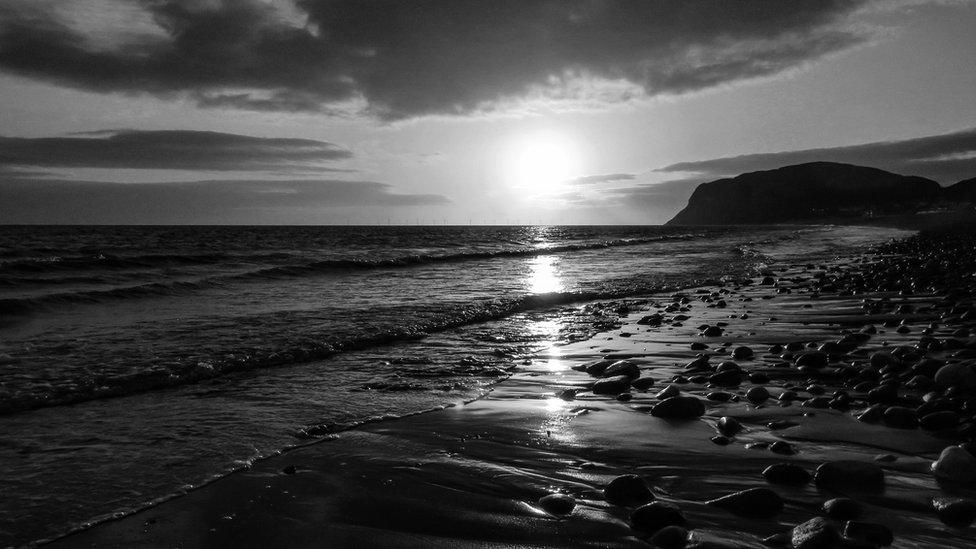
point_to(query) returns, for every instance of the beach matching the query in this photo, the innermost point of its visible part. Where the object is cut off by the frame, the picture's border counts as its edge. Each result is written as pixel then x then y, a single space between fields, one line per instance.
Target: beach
pixel 791 371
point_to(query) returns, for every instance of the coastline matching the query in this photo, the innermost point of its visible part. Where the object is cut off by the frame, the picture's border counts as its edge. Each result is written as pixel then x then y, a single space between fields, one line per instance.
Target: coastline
pixel 472 475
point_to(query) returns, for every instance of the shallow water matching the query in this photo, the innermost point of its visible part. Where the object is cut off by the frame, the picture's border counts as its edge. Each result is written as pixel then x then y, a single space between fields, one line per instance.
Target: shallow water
pixel 189 352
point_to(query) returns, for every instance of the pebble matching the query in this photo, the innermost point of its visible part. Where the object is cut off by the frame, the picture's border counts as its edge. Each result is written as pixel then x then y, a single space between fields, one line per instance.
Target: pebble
pixel 643 383
pixel 727 378
pixel 612 385
pixel 815 533
pixel 842 509
pixel 870 532
pixel 754 503
pixel 955 464
pixel 670 537
pixel 656 516
pixel 558 504
pixel 939 420
pixel 846 474
pixel 900 417
pixel 679 407
pixel 782 447
pixel 787 474
pixel 622 368
pixel 812 359
pixel 627 490
pixel 757 395
pixel 728 426
pixel 743 353
pixel 958 374
pixel 668 392
pixel 955 512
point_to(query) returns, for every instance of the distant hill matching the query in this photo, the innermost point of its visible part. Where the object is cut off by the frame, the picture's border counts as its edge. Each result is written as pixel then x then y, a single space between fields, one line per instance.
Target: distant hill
pixel 814 192
pixel 964 191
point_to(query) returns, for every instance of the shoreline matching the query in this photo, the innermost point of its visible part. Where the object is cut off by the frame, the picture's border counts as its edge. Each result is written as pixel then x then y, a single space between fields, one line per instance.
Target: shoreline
pixel 473 475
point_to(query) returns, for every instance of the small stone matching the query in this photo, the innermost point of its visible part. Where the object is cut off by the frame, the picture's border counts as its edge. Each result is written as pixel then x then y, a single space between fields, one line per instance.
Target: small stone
pixel 289 470
pixel 712 331
pixel 815 533
pixel 643 383
pixel 622 368
pixel 627 490
pixel 959 374
pixel 939 420
pixel 721 440
pixel 698 346
pixel 781 424
pixel 813 359
pixel 558 504
pixel 742 353
pixel 670 537
pixel 612 385
pixel 655 516
pixel 728 426
pixel 679 407
pixel 787 474
pixel 668 392
pixel 955 512
pixel 782 447
pixel 955 464
pixel 754 502
pixel 727 378
pixel 870 532
pixel 846 474
pixel 719 396
pixel 757 395
pixel 842 508
pixel 900 417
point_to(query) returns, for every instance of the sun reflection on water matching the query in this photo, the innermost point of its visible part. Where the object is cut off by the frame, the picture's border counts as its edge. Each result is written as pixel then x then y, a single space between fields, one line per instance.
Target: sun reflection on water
pixel 544 275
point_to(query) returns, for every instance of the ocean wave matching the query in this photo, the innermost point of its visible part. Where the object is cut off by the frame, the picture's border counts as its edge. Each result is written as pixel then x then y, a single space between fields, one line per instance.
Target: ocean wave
pixel 284 271
pixel 306 351
pixel 110 262
pixel 27 305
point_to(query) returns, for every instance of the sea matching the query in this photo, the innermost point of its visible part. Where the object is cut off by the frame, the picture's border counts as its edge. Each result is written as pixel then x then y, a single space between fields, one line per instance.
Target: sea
pixel 137 363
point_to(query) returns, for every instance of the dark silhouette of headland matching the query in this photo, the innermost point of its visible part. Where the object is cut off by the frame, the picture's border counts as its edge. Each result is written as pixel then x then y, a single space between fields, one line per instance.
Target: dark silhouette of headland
pixel 825 192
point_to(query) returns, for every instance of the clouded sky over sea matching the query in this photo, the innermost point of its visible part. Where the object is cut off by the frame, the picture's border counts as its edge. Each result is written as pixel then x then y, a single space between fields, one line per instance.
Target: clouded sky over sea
pixel 457 111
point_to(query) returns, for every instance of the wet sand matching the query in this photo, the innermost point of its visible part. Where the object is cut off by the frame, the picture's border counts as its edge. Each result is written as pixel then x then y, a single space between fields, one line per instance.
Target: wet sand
pixel 473 475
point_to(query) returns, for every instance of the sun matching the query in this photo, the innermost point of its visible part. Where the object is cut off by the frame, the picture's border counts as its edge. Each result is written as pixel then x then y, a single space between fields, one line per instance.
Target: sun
pixel 540 163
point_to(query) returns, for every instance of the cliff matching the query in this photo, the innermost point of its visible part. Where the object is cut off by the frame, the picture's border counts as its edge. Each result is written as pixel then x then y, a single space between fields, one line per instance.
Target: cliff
pixel 807 193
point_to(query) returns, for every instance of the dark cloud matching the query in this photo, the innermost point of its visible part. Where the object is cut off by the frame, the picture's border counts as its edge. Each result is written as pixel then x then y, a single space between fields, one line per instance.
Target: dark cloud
pixel 603 178
pixel 248 201
pixel 947 158
pixel 189 150
pixel 415 57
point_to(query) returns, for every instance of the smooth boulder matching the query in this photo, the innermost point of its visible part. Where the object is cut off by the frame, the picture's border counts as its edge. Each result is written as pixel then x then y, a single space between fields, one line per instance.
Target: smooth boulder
pixel 815 533
pixel 956 464
pixel 558 504
pixel 787 474
pixel 754 503
pixel 627 490
pixel 655 516
pixel 612 385
pixel 847 474
pixel 679 407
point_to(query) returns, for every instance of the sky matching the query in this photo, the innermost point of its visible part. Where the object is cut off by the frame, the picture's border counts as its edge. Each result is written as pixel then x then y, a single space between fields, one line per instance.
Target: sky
pixel 462 111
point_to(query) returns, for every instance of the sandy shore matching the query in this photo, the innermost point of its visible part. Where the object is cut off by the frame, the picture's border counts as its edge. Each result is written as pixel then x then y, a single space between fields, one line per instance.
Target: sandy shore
pixel 473 475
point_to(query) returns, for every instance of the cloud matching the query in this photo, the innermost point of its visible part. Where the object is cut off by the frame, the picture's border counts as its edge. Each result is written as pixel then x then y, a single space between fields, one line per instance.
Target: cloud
pixel 221 201
pixel 603 178
pixel 177 149
pixel 406 58
pixel 947 158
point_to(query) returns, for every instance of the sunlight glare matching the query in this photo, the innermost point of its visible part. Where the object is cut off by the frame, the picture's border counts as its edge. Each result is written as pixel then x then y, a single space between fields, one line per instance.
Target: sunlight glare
pixel 541 162
pixel 543 276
